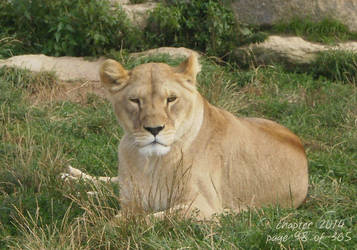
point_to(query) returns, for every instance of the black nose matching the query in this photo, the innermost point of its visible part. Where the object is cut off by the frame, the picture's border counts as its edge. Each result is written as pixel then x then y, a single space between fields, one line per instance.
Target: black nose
pixel 154 130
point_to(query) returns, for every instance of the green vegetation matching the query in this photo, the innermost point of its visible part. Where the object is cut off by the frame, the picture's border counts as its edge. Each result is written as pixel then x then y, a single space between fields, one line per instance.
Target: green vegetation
pixel 203 25
pixel 325 31
pixel 9 45
pixel 207 26
pixel 40 138
pixel 138 1
pixel 41 134
pixel 336 65
pixel 65 27
pixel 92 28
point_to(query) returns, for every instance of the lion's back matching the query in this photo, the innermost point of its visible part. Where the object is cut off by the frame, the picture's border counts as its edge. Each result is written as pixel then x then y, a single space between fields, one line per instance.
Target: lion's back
pixel 261 161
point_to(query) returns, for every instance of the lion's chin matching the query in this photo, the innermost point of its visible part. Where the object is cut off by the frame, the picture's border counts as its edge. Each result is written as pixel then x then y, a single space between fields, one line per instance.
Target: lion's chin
pixel 154 149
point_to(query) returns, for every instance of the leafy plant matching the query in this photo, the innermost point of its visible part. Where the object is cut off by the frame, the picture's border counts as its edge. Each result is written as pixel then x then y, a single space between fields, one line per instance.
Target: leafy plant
pixel 68 27
pixel 203 25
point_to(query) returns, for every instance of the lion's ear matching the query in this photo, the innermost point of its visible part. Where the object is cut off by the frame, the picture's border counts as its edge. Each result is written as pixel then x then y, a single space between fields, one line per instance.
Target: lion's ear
pixel 190 67
pixel 113 75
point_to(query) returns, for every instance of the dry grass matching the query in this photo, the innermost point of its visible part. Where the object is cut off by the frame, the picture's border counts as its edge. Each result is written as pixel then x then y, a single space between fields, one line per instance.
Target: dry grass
pixel 67 91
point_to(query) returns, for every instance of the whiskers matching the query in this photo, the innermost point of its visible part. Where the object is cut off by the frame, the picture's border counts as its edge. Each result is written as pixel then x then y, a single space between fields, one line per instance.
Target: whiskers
pixel 149 145
pixel 143 139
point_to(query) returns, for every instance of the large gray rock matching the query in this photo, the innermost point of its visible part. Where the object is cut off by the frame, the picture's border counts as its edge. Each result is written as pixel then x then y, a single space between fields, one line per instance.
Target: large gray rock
pixel 268 12
pixel 287 50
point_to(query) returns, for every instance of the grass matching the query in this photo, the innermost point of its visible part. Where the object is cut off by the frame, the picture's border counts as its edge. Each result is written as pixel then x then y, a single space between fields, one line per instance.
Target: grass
pixel 333 64
pixel 327 30
pixel 38 211
pixel 337 65
pixel 7 45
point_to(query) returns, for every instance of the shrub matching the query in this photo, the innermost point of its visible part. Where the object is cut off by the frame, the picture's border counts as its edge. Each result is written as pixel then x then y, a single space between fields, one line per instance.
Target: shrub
pixel 67 27
pixel 203 25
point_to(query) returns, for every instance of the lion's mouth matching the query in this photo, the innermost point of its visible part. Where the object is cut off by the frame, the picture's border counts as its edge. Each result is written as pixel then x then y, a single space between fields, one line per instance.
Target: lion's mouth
pixel 154 148
pixel 157 143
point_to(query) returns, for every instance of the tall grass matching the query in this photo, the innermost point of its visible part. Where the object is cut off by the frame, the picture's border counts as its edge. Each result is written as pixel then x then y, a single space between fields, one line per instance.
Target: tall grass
pixel 327 30
pixel 337 65
pixel 38 140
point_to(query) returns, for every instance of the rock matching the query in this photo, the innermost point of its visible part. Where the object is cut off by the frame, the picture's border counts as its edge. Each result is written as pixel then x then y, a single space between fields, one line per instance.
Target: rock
pixel 120 1
pixel 66 68
pixel 77 68
pixel 174 52
pixel 268 12
pixel 287 50
pixel 139 13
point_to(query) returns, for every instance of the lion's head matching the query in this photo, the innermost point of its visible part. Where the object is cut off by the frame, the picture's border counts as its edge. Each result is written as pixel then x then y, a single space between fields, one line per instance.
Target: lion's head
pixel 155 103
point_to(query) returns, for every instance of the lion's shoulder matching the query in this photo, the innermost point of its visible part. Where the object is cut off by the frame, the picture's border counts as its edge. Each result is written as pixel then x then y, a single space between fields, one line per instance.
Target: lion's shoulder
pixel 276 132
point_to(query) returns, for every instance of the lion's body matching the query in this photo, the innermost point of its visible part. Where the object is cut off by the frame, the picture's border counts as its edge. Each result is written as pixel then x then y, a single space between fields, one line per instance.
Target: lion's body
pixel 232 164
pixel 180 151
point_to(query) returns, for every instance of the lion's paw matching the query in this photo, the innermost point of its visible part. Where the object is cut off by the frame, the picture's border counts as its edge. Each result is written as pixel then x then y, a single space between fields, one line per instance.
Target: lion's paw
pixel 72 174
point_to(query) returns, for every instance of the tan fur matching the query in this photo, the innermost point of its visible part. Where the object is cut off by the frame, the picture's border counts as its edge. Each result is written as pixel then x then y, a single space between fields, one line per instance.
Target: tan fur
pixel 216 161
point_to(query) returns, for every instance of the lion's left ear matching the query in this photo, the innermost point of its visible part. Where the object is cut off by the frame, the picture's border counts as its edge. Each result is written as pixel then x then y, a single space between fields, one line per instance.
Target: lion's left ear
pixel 190 67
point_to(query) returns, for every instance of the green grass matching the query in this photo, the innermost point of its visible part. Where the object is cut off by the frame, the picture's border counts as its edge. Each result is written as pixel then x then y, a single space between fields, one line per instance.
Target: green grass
pixel 326 30
pixel 336 65
pixel 9 45
pixel 333 64
pixel 39 211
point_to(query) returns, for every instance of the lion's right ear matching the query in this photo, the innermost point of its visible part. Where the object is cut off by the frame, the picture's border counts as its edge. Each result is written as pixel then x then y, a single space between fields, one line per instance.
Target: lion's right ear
pixel 190 67
pixel 113 75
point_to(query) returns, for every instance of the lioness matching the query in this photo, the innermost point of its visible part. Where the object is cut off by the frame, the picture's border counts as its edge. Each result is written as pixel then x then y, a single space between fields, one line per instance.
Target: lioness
pixel 181 153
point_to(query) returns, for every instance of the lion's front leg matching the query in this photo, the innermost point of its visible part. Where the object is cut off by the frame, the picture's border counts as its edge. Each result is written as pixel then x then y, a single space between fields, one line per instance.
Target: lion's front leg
pixel 181 210
pixel 75 174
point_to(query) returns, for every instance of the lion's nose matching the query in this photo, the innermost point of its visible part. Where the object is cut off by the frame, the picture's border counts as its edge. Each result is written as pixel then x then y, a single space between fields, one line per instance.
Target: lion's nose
pixel 154 130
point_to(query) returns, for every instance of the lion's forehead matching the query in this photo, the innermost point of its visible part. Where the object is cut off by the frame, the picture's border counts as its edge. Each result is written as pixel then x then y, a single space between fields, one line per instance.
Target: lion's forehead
pixel 154 89
pixel 153 79
pixel 152 72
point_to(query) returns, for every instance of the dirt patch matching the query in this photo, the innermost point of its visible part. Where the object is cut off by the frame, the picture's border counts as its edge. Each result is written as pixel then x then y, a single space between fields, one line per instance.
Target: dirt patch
pixel 76 91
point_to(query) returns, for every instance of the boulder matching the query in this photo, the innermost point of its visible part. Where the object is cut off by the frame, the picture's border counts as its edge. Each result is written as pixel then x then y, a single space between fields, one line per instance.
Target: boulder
pixel 66 68
pixel 268 12
pixel 139 13
pixel 287 50
pixel 172 51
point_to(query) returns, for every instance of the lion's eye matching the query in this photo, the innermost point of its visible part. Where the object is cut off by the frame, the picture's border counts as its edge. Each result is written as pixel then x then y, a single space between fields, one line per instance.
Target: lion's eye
pixel 135 100
pixel 171 99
